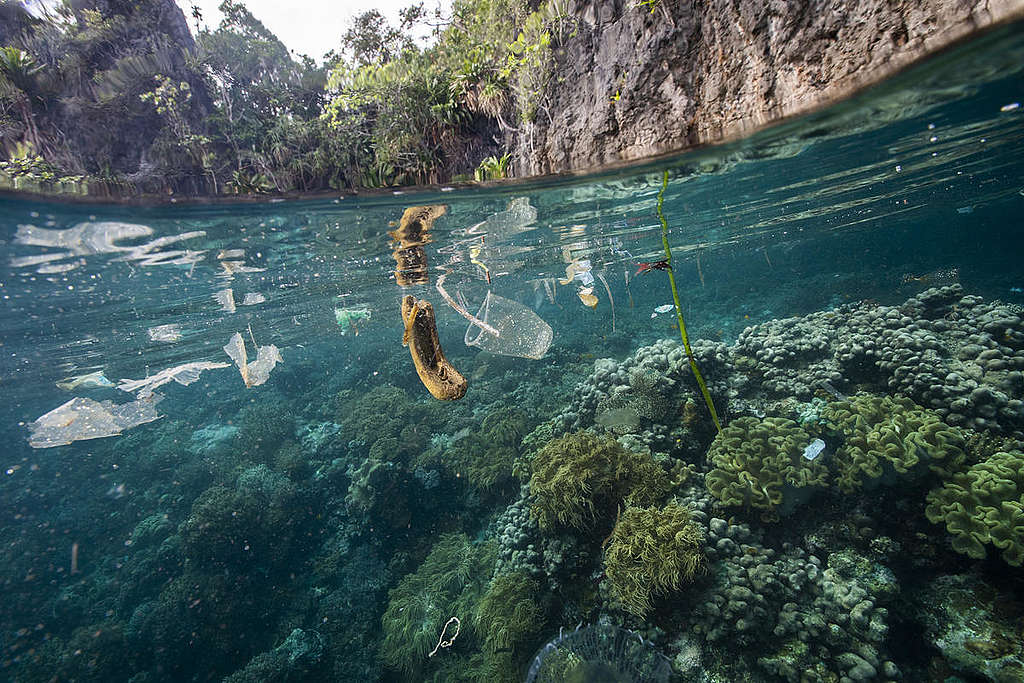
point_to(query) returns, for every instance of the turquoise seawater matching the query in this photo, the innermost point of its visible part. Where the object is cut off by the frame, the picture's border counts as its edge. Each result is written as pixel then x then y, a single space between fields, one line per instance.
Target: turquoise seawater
pixel 854 277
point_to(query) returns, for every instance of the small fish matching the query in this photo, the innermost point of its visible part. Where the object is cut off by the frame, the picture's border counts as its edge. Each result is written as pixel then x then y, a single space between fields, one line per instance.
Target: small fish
pixel 89 381
pixel 646 266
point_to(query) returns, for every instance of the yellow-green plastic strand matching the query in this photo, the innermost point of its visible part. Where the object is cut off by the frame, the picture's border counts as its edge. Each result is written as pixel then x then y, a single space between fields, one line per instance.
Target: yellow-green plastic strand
pixel 679 308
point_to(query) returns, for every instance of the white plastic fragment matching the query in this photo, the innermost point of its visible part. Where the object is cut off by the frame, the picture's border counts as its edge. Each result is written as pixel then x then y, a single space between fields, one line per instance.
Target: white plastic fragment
pixel 814 449
pixel 83 418
pixel 226 299
pixel 165 333
pixel 182 374
pixel 256 372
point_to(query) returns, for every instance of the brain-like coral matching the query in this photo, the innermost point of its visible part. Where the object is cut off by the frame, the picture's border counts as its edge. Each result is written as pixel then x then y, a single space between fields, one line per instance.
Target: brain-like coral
pixel 886 438
pixel 653 551
pixel 984 506
pixel 760 464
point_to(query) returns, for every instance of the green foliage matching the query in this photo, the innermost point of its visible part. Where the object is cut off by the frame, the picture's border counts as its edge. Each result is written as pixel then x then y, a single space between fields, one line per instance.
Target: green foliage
pixel 984 506
pixel 758 463
pixel 247 181
pixel 493 168
pixel 581 478
pixel 509 615
pixel 653 551
pixel 886 439
pixel 449 583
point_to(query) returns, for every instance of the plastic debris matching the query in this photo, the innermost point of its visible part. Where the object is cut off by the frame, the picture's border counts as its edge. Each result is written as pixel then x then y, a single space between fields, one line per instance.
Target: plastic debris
pixel 509 329
pixel 347 318
pixel 182 374
pixel 253 298
pixel 226 299
pixel 814 449
pixel 165 333
pixel 256 372
pixel 83 418
pixel 92 380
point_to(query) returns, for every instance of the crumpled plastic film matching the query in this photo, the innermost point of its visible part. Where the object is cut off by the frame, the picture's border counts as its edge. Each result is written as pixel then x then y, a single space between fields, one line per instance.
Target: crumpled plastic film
pixel 83 418
pixel 519 331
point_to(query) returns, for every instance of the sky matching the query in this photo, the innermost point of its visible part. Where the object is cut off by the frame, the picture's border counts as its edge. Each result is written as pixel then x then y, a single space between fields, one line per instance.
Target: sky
pixel 311 27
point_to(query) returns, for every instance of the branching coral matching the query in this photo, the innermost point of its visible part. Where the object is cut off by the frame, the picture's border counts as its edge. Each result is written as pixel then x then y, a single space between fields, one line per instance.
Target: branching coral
pixel 653 551
pixel 758 463
pixel 984 506
pixel 887 436
pixel 579 478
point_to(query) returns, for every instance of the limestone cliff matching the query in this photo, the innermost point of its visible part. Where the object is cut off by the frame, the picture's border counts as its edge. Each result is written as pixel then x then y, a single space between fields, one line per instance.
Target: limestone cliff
pixel 629 82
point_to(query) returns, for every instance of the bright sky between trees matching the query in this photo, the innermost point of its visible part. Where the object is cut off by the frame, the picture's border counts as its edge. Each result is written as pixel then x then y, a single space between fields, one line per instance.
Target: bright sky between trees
pixel 311 27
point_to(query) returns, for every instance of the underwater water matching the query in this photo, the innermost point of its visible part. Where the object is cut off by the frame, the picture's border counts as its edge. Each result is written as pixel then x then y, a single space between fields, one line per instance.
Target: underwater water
pixel 220 461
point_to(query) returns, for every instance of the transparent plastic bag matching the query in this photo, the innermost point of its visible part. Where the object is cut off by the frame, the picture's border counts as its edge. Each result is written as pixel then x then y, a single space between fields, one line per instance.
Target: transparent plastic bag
pixel 512 329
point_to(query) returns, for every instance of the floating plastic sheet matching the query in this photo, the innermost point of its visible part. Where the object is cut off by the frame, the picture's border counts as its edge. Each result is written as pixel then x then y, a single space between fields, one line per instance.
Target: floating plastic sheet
pixel 165 333
pixel 256 372
pixel 253 298
pixel 226 299
pixel 92 380
pixel 182 374
pixel 83 418
pixel 508 328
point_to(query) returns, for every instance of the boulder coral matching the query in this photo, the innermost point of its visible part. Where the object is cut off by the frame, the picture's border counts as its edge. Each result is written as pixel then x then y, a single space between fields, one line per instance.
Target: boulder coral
pixel 887 438
pixel 580 478
pixel 984 506
pixel 759 464
pixel 653 551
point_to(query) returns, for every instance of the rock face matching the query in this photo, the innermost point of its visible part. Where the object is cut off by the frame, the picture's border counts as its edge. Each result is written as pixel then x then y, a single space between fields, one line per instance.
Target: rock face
pixel 631 82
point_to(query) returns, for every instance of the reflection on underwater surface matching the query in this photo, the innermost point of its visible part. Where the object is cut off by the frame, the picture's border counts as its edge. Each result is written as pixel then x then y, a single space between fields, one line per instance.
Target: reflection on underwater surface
pixel 310 513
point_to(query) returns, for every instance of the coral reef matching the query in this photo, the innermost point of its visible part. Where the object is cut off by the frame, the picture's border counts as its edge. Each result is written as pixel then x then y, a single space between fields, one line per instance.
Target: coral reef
pixel 580 478
pixel 984 506
pixel 886 439
pixel 974 626
pixel 509 614
pixel 759 464
pixel 449 582
pixel 653 551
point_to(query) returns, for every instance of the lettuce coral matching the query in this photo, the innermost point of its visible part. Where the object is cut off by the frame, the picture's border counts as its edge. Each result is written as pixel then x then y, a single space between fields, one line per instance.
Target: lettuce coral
pixel 579 478
pixel 886 436
pixel 984 506
pixel 653 551
pixel 759 463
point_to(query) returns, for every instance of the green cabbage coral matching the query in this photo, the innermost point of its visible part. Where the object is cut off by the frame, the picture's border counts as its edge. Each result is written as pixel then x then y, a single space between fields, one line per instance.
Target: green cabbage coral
pixel 653 551
pixel 759 463
pixel 885 437
pixel 579 478
pixel 984 506
pixel 448 583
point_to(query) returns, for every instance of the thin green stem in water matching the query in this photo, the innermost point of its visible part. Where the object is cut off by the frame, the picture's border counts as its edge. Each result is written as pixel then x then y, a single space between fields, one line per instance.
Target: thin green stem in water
pixel 679 308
